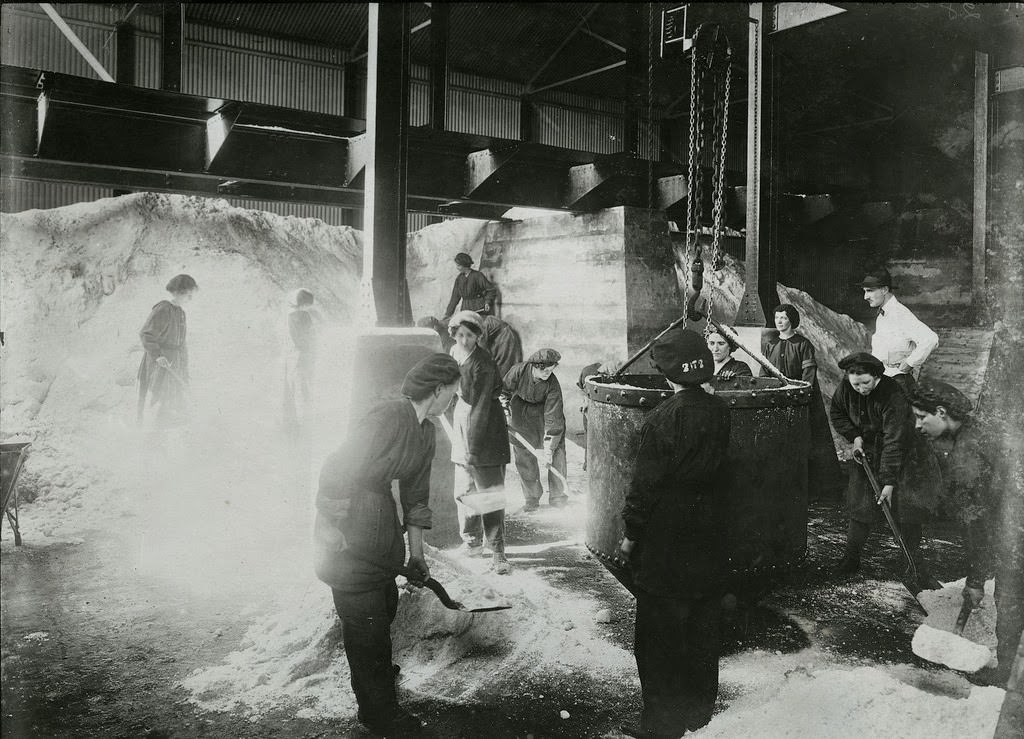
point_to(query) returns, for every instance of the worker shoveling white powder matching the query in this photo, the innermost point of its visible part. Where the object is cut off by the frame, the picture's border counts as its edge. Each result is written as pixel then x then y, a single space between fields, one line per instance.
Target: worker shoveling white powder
pixel 935 641
pixel 295 656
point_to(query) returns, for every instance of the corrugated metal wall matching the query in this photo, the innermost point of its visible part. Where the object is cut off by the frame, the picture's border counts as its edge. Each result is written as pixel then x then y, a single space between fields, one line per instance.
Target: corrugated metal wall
pixel 225 63
pixel 19 195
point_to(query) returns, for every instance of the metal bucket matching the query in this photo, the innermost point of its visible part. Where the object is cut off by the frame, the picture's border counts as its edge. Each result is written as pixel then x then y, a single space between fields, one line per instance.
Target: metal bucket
pixel 765 483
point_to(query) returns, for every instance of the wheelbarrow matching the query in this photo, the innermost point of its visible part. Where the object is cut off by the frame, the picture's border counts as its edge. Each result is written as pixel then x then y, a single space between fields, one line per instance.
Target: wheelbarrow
pixel 12 456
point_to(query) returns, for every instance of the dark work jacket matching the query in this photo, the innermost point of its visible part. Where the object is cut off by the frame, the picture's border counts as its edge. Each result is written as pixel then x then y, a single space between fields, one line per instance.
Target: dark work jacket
pixel 675 505
pixel 536 405
pixel 970 490
pixel 794 357
pixel 501 341
pixel 358 543
pixel 486 431
pixel 163 335
pixel 896 455
pixel 737 367
pixel 474 290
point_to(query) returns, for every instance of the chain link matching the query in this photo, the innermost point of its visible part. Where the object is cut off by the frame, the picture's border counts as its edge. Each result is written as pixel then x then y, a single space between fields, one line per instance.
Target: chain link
pixel 706 81
pixel 722 119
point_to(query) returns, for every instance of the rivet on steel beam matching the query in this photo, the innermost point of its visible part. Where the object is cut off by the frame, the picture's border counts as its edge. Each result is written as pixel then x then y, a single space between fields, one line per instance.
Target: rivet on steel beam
pixel 664 395
pixel 608 396
pixel 643 400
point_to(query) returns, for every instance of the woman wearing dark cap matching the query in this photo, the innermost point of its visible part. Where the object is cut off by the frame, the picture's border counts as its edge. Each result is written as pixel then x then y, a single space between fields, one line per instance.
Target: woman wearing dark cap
pixel 793 355
pixel 871 411
pixel 358 540
pixel 726 366
pixel 480 447
pixel 537 409
pixel 163 372
pixel 471 287
pixel 675 527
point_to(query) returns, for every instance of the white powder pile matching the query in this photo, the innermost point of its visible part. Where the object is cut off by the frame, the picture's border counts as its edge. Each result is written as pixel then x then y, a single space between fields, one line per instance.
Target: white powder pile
pixel 294 656
pixel 832 701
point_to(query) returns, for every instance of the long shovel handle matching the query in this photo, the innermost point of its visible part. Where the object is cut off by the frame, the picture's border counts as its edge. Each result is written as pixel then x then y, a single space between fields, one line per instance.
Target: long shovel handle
pixel 862 460
pixel 446 600
pixel 540 457
pixel 756 355
pixel 648 345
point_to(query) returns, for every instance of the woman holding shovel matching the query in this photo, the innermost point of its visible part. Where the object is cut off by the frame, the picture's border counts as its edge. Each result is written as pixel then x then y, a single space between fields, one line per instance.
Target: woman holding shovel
pixel 871 411
pixel 163 372
pixel 536 409
pixel 358 540
pixel 480 443
pixel 969 454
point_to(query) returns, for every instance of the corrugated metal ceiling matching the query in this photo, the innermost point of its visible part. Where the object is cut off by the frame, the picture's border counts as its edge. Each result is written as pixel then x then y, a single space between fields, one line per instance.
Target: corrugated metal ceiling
pixel 510 40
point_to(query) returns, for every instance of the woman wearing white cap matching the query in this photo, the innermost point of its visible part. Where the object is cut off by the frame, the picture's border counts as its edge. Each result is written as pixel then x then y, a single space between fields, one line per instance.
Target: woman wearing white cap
pixel 480 443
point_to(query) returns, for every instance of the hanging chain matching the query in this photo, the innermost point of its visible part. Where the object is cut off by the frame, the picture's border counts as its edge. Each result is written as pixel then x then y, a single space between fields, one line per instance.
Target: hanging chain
pixel 718 179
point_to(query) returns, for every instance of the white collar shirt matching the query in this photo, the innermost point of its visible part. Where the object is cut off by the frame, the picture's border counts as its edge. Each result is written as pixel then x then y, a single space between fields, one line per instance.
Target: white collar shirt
pixel 900 336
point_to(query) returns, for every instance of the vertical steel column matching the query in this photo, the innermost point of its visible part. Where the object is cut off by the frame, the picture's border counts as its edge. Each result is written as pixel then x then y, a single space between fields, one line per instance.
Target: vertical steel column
pixel 636 77
pixel 981 91
pixel 124 69
pixel 757 301
pixel 439 13
pixel 172 32
pixel 387 116
pixel 527 119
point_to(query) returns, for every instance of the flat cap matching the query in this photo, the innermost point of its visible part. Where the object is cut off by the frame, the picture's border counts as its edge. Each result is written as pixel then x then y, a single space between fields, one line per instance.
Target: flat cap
pixel 863 359
pixel 429 373
pixel 463 259
pixel 545 356
pixel 930 394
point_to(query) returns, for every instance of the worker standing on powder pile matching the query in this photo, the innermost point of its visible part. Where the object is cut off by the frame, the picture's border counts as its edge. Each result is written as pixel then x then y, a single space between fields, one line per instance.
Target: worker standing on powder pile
pixel 974 492
pixel 471 288
pixel 538 415
pixel 163 372
pixel 301 358
pixel 675 532
pixel 358 537
pixel 871 411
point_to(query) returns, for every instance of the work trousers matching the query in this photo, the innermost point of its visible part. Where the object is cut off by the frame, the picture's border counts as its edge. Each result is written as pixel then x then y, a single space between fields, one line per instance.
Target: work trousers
pixel 529 472
pixel 857 536
pixel 366 631
pixel 676 646
pixel 489 527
